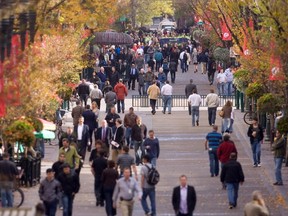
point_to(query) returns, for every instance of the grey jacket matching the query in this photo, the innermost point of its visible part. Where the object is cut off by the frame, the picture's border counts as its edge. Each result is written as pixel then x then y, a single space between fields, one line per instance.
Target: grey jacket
pixel 49 190
pixel 141 79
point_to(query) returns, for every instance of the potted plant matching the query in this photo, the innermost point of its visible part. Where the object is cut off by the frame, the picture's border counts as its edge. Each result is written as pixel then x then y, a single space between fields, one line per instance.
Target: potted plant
pixel 255 90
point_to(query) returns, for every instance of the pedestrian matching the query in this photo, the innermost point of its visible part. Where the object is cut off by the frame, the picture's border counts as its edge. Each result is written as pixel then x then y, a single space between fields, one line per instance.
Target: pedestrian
pixel 96 95
pixel 102 76
pixel 183 59
pixel 118 140
pixel 70 135
pixel 129 122
pixel 279 148
pixel 166 92
pixel 110 99
pixel 8 175
pixel 149 77
pixel 255 132
pixel 104 134
pixel 121 92
pixel 153 93
pixel 111 118
pixel 212 102
pixel 161 77
pixel 90 120
pixel 257 206
pixel 211 67
pixel 50 193
pixel 158 56
pixel 194 101
pixel 141 82
pixel 70 185
pixel 184 198
pixel 125 191
pixel 195 59
pixel 212 143
pixel 229 80
pixel 221 82
pixel 189 91
pixel 114 77
pixel 125 160
pixel 83 91
pixel 96 151
pixel 203 59
pixel 133 74
pixel 232 175
pixel 151 63
pixel 151 147
pixel 82 134
pixel 165 67
pixel 225 149
pixel 109 179
pixel 148 189
pixel 138 134
pixel 77 112
pixel 99 164
pixel 226 116
pixel 173 70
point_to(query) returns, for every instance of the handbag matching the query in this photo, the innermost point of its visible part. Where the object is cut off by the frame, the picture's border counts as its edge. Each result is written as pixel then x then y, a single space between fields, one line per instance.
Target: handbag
pixel 221 113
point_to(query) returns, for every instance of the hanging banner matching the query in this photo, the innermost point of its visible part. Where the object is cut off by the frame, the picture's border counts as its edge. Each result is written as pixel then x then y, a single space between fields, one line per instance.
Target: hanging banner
pixel 275 69
pixel 226 34
pixel 2 99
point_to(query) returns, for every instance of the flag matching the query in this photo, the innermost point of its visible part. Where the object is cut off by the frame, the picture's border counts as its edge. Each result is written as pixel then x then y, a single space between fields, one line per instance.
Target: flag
pixel 226 34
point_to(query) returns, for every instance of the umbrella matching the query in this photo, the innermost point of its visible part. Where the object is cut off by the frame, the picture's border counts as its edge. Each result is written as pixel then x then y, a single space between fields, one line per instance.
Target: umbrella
pixel 48 125
pixel 44 134
pixel 111 37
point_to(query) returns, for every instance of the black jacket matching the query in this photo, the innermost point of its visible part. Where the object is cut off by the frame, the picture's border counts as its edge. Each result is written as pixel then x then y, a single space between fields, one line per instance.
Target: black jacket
pixel 108 137
pixel 232 172
pixel 69 183
pixel 83 89
pixel 189 89
pixel 90 119
pixel 119 137
pixel 191 199
pixel 111 116
pixel 259 135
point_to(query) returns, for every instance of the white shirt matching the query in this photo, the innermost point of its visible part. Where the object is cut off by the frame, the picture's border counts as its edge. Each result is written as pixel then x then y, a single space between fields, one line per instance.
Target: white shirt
pixel 194 99
pixel 181 55
pixel 183 200
pixel 80 131
pixel 229 75
pixel 221 77
pixel 167 89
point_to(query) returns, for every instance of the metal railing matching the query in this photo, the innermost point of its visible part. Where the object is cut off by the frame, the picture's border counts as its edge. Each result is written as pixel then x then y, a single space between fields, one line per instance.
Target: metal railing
pixel 177 101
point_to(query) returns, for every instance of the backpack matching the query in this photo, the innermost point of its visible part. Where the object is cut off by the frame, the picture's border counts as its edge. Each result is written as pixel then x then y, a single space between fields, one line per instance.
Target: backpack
pixel 153 175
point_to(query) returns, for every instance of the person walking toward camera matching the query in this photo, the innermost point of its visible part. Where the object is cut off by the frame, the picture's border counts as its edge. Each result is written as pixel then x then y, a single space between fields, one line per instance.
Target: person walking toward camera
pixel 257 206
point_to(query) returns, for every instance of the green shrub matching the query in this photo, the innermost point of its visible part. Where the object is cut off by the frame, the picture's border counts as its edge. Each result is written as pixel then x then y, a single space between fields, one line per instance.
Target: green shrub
pixel 269 103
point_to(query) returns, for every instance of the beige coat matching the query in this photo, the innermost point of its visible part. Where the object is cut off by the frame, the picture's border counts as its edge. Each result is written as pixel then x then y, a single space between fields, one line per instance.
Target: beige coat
pixel 153 92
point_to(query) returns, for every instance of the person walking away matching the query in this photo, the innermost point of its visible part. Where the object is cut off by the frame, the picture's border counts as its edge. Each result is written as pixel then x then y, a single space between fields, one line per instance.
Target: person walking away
pixel 183 59
pixel 90 120
pixel 229 77
pixel 232 121
pixel 125 160
pixel 166 92
pixel 194 101
pixel 96 95
pixel 184 198
pixel 173 70
pixel 111 118
pixel 189 91
pixel 226 117
pixel 151 63
pixel 257 206
pixel 132 76
pixel 153 93
pixel 118 140
pixel 141 82
pixel 279 148
pixel 211 65
pixel 82 134
pixel 50 193
pixel 121 92
pixel 110 99
pixel 165 67
pixel 129 122
pixel 114 77
pixel 83 91
pixel 232 174
pixel 148 190
pixel 212 143
pixel 221 82
pixel 99 164
pixel 77 112
pixel 212 102
pixel 109 178
pixel 255 132
pixel 8 175
pixel 225 149
pixel 152 147
pixel 203 59
pixel 138 134
pixel 70 185
pixel 158 56
pixel 161 77
pixel 195 59
pixel 125 190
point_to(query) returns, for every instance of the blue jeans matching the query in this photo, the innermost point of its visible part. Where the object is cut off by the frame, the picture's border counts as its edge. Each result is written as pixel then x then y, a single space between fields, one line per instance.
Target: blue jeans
pixel 50 207
pixel 6 197
pixel 212 115
pixel 195 114
pixel 153 161
pixel 167 99
pixel 225 124
pixel 232 190
pixel 150 192
pixel 137 145
pixel 108 194
pixel 229 88
pixel 221 88
pixel 278 166
pixel 214 163
pixel 256 151
pixel 122 107
pixel 67 201
pixel 128 136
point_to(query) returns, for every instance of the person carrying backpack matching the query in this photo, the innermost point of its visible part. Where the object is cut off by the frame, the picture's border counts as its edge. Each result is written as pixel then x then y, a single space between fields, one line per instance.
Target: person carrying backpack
pixel 149 179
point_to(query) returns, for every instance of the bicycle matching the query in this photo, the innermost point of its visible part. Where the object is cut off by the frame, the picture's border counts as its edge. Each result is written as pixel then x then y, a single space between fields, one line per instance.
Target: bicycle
pixel 248 117
pixel 18 196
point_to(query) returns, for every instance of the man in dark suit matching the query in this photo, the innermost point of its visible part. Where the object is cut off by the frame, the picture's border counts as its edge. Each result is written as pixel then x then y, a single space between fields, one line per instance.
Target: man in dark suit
pixel 104 133
pixel 83 91
pixel 181 207
pixel 77 112
pixel 188 91
pixel 118 138
pixel 132 76
pixel 90 120
pixel 82 133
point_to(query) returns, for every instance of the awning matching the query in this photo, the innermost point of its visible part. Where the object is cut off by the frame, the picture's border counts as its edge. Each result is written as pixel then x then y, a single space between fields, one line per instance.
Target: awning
pixel 111 38
pixel 48 125
pixel 44 134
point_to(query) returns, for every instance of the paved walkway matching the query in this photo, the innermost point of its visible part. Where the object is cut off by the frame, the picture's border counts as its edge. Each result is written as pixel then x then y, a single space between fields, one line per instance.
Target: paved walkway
pixel 182 152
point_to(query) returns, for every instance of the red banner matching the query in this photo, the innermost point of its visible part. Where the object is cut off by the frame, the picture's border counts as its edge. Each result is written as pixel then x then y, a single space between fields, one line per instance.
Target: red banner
pixel 226 34
pixel 2 99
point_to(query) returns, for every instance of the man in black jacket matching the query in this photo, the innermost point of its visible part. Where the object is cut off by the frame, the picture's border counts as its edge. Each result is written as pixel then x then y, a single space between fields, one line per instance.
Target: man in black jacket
pixel 118 139
pixel 70 186
pixel 90 121
pixel 82 133
pixel 232 174
pixel 83 91
pixel 104 133
pixel 181 207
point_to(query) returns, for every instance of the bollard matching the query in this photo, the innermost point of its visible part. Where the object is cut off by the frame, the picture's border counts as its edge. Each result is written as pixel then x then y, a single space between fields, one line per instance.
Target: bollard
pixel 242 101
